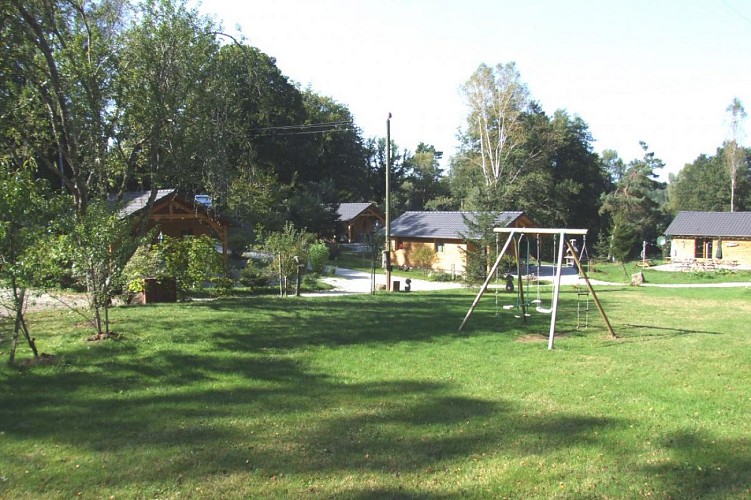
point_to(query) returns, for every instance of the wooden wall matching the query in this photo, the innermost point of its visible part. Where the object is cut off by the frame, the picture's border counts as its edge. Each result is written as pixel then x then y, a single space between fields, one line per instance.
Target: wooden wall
pixel 732 250
pixel 451 260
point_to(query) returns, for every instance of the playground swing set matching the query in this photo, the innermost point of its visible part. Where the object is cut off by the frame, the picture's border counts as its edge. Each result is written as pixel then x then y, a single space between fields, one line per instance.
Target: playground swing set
pixel 573 256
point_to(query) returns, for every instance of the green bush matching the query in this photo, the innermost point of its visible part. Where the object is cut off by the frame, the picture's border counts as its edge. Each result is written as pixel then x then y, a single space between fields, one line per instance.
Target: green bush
pixel 318 256
pixel 255 274
pixel 191 261
pixel 441 277
pixel 147 262
pixel 423 257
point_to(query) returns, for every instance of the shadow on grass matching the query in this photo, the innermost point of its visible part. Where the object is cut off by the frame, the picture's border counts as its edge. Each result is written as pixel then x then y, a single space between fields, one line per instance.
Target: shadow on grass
pixel 231 393
pixel 276 323
pixel 702 466
pixel 659 332
pixel 268 416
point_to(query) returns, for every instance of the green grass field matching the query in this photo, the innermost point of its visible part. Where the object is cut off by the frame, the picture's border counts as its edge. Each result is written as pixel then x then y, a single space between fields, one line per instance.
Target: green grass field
pixel 380 397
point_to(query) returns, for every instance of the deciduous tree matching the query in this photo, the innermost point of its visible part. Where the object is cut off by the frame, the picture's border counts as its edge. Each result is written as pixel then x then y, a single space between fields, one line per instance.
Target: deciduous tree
pixel 24 215
pixel 734 154
pixel 496 132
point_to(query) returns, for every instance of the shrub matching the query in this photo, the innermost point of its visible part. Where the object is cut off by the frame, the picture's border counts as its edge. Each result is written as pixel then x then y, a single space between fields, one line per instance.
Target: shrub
pixel 191 261
pixel 318 256
pixel 442 277
pixel 147 262
pixel 255 274
pixel 423 257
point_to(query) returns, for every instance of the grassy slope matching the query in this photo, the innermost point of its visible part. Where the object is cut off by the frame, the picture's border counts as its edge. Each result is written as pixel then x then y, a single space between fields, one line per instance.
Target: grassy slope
pixel 379 396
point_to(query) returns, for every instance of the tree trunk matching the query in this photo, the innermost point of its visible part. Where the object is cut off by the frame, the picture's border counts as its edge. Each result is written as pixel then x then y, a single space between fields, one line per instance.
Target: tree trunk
pixel 19 301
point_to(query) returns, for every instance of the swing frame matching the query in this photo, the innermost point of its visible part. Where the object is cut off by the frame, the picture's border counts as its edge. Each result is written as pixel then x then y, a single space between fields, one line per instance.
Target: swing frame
pixel 562 233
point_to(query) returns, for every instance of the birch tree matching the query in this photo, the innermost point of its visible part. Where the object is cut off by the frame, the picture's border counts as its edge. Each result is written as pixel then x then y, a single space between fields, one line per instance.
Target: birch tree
pixel 734 154
pixel 498 101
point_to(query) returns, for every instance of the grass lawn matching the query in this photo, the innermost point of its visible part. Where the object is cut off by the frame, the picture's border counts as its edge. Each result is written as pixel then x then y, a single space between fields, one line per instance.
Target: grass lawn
pixel 614 273
pixel 380 397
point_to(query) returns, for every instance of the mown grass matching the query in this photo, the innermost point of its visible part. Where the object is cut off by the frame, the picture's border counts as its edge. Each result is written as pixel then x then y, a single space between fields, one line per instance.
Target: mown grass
pixel 613 272
pixel 372 397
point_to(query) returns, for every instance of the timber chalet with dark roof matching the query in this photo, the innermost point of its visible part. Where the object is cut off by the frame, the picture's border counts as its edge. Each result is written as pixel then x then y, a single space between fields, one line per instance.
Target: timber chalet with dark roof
pixel 699 235
pixel 447 233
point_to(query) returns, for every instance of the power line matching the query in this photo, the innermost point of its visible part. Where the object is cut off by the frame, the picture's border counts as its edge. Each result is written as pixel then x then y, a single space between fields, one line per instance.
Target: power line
pixel 304 132
pixel 740 14
pixel 305 126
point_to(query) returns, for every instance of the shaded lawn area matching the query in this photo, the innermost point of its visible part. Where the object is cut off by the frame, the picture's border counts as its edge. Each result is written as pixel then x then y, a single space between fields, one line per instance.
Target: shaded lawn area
pixel 372 397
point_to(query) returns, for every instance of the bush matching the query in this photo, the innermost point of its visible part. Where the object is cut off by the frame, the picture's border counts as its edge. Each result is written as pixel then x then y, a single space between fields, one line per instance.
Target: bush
pixel 442 277
pixel 255 274
pixel 318 256
pixel 191 261
pixel 423 257
pixel 147 262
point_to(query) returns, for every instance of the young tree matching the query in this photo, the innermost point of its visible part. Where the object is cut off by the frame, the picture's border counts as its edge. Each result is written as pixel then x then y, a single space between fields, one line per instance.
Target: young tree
pixel 290 250
pixel 100 243
pixel 481 244
pixel 24 214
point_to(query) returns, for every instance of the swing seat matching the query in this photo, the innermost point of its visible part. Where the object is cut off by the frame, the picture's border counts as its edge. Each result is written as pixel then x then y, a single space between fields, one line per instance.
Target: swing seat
pixel 536 301
pixel 543 310
pixel 527 315
pixel 510 306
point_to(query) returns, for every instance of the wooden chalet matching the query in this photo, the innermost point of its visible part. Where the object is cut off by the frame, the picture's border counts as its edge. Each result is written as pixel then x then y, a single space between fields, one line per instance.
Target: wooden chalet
pixel 446 233
pixel 718 237
pixel 356 222
pixel 177 214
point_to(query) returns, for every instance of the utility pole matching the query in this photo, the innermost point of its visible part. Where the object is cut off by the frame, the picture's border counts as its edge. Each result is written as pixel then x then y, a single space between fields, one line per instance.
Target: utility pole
pixel 388 204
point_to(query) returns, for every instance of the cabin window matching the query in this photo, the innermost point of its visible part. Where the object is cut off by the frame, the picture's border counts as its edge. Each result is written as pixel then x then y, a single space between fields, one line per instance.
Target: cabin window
pixel 439 246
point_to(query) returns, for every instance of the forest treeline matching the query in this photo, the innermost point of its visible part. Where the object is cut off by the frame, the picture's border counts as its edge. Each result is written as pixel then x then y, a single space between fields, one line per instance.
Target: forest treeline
pixel 112 96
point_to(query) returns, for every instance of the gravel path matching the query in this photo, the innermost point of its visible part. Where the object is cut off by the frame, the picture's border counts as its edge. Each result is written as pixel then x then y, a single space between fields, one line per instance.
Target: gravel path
pixel 41 301
pixel 349 281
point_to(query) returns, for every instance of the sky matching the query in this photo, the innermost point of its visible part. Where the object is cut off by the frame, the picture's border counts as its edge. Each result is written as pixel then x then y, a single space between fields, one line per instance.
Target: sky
pixel 658 71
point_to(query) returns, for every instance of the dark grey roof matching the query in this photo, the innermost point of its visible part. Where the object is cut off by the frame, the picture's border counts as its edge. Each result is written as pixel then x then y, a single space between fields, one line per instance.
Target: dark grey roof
pixel 348 211
pixel 450 225
pixel 725 224
pixel 134 201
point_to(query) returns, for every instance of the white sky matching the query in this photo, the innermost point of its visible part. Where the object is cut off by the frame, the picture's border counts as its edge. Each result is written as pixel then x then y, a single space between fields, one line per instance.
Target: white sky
pixel 661 71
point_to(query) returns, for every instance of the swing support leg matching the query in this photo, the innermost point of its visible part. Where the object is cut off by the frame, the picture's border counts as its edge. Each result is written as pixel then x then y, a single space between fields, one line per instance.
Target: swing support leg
pixel 556 293
pixel 487 281
pixel 521 301
pixel 592 291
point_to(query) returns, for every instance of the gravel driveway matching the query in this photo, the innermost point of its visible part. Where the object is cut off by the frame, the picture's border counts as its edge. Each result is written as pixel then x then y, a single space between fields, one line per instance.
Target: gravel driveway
pixel 349 281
